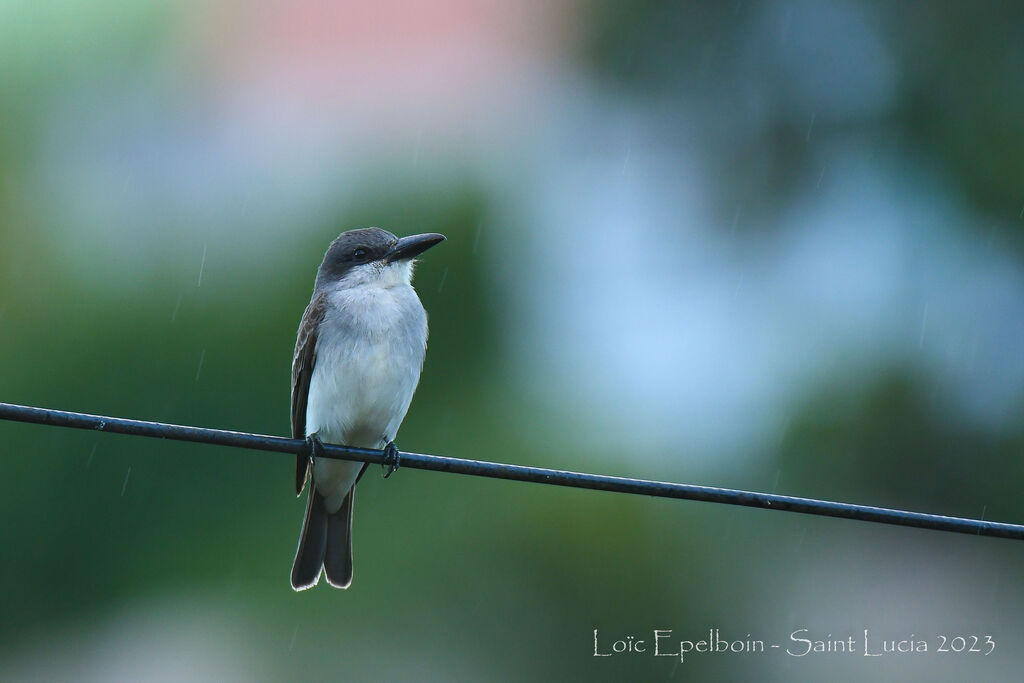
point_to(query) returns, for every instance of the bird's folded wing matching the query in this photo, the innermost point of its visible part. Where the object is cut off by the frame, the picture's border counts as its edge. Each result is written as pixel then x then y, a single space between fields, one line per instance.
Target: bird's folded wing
pixel 302 373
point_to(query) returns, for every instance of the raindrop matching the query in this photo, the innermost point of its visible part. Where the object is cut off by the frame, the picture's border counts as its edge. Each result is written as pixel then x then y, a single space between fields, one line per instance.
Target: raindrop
pixel 202 356
pixel 443 276
pixel 174 314
pixel 476 237
pixel 807 137
pixel 924 326
pixel 125 484
pixel 88 462
pixel 291 646
pixel 202 265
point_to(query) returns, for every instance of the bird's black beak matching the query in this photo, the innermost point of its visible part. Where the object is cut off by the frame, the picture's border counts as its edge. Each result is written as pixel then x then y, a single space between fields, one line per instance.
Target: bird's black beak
pixel 412 246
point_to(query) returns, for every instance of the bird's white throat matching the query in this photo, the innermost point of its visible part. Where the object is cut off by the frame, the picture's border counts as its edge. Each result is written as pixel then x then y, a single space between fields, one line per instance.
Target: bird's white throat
pixel 378 274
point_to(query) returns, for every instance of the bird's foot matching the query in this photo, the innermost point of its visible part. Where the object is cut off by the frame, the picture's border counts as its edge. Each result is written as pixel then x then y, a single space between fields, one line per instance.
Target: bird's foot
pixel 391 459
pixel 316 446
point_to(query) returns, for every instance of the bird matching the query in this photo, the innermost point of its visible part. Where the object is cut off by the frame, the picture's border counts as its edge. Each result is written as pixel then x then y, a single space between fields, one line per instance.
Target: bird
pixel 359 353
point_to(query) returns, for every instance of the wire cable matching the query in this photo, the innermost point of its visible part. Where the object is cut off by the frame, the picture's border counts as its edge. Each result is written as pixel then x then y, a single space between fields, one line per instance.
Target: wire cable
pixel 539 475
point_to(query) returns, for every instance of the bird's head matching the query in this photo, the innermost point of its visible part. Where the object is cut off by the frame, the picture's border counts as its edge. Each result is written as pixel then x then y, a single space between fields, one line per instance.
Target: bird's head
pixel 371 256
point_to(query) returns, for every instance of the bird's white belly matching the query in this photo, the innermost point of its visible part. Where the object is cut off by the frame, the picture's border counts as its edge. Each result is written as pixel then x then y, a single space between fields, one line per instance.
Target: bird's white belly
pixel 366 372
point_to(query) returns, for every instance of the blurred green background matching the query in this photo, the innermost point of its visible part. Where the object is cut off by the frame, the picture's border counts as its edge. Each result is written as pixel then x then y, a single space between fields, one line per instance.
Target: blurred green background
pixel 769 245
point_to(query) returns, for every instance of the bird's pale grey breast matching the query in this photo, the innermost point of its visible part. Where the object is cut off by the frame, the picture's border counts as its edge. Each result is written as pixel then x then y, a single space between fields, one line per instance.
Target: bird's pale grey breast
pixel 369 356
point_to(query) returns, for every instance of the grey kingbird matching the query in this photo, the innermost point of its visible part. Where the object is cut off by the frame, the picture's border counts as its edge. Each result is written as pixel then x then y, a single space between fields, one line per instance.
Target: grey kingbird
pixel 358 357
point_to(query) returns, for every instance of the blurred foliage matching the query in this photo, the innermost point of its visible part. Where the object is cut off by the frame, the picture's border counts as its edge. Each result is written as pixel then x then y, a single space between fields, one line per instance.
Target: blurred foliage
pixel 957 108
pixel 888 444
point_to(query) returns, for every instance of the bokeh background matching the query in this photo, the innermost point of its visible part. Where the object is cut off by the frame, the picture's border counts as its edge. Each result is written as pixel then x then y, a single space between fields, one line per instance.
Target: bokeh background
pixel 769 245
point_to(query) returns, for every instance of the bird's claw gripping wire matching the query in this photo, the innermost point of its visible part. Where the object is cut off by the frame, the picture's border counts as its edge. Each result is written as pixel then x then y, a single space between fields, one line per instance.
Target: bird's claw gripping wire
pixel 316 446
pixel 391 460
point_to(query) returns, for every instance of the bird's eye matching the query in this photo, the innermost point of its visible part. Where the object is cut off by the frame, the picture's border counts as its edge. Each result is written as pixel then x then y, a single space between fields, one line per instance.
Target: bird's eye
pixel 359 254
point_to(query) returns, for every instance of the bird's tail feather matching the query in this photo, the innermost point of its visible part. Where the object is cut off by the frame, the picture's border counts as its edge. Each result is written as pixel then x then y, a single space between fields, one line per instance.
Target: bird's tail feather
pixel 337 557
pixel 309 557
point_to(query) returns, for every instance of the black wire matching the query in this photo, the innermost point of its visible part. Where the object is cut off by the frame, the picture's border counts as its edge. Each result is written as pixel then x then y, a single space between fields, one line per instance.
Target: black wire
pixel 438 463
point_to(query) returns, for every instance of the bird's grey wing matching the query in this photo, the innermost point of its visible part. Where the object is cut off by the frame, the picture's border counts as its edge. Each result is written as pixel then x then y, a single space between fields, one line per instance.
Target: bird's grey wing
pixel 302 372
